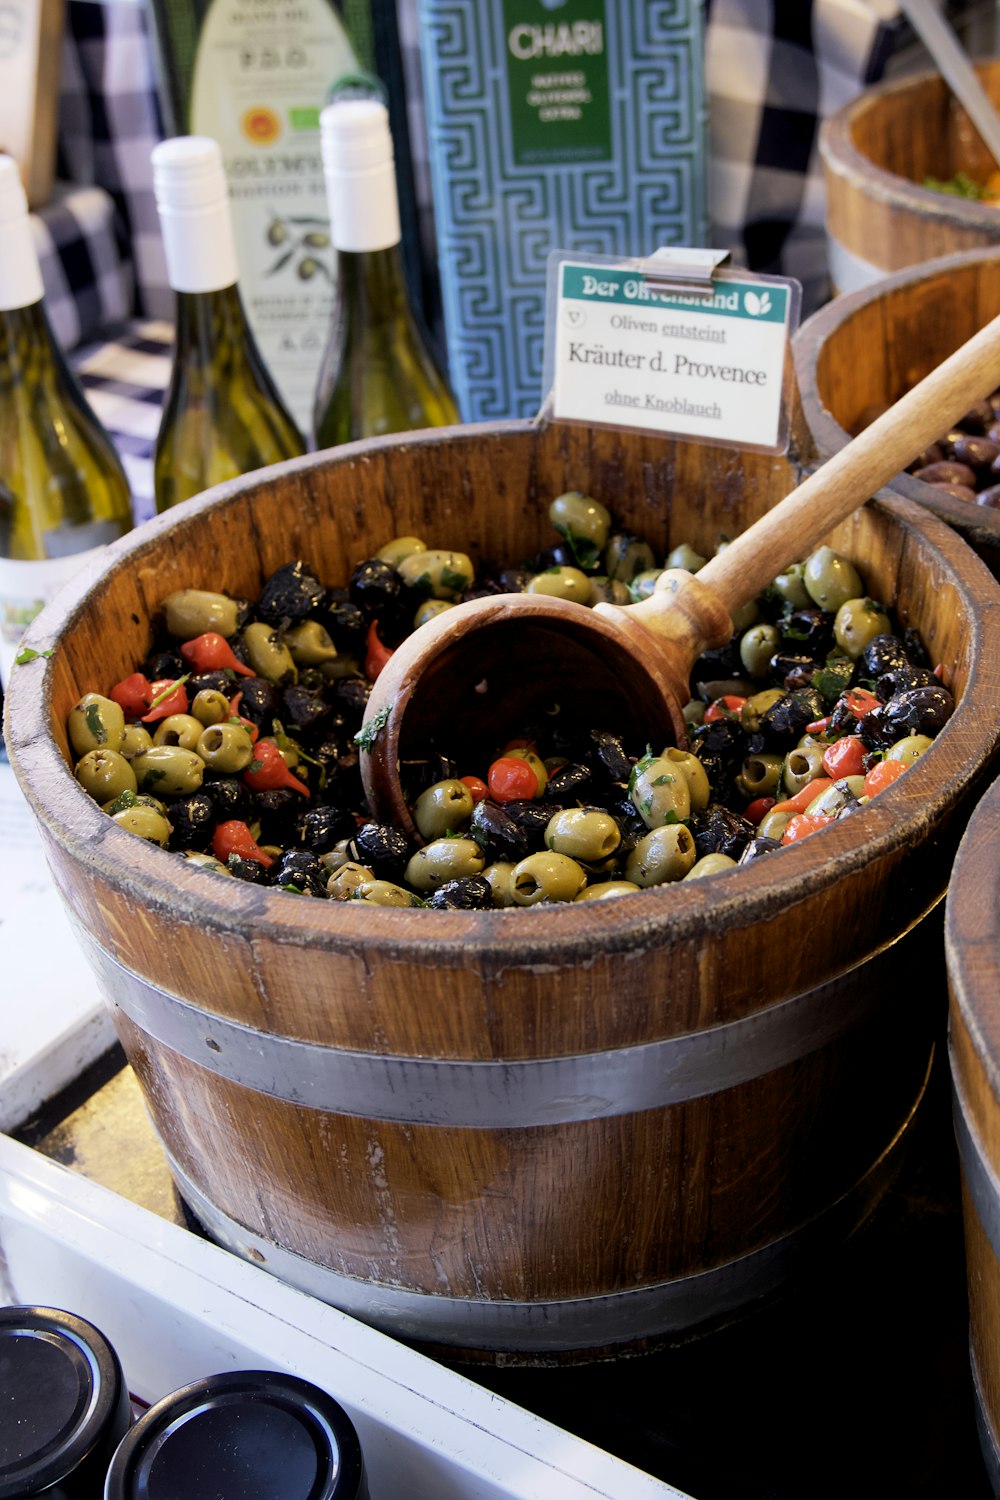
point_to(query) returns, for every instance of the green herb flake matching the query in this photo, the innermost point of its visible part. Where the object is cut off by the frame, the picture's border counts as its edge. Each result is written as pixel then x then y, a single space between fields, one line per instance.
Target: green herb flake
pixel 369 733
pixel 124 801
pixel 27 654
pixel 664 781
pixel 152 776
pixel 255 765
pixel 92 715
pixel 171 687
pixel 453 581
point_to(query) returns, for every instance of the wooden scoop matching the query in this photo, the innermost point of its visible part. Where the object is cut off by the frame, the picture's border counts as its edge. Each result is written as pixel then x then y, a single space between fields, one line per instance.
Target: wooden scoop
pixel 491 668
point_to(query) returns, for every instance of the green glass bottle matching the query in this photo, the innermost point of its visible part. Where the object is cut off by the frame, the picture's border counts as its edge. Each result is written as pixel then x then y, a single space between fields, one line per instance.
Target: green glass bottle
pixel 63 491
pixel 378 373
pixel 222 414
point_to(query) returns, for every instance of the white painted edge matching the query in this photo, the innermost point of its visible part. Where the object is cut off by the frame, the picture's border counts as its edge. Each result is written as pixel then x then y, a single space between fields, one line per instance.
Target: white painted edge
pixel 850 272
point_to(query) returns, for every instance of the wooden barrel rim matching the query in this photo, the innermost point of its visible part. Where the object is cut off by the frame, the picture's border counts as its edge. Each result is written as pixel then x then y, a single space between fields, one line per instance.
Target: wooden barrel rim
pixel 520 937
pixel 972 933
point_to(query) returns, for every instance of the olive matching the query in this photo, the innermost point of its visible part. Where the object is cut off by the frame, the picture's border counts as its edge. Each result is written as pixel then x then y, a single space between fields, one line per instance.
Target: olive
pixel 253 871
pixel 209 706
pixel 194 818
pixel 179 729
pixel 882 653
pixel 605 590
pixel 351 696
pixel 562 583
pixel 209 862
pixel 718 830
pixel 268 656
pixel 745 615
pixel 135 739
pixel 529 815
pixel 378 589
pixel 443 808
pixel 920 710
pixel 790 585
pixel 300 868
pixel 788 716
pixel 793 669
pixel 468 893
pixel 568 783
pixel 440 573
pixel 332 859
pixel 843 796
pixel 899 679
pixel 693 713
pixel 643 584
pixel 106 773
pixel 760 775
pixel 660 792
pixel 756 706
pixel 802 765
pixel 192 612
pixel 401 546
pixel 808 632
pixel 584 833
pixel 443 859
pixel 690 766
pixel 757 646
pixel 664 854
pixel 581 518
pixel 830 578
pixel 724 740
pixel 163 665
pixel 710 864
pixel 429 610
pixel 303 709
pixel 95 723
pixel 221 680
pixel 759 846
pixel 345 622
pixel 322 829
pixel 976 451
pixel 168 770
pixel 606 752
pixel 909 748
pixel 384 848
pixel 684 556
pixel 772 825
pixel 291 593
pixel 625 555
pixel 605 890
pixel 500 876
pixel 385 893
pixel 547 876
pixel 347 879
pixel 989 497
pixel 231 797
pixel 947 472
pixel 224 747
pixel 857 623
pixel 146 822
pixel 310 644
pixel 496 833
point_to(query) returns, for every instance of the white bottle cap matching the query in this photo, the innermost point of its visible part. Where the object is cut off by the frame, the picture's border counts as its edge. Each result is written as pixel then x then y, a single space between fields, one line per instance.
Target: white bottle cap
pixel 193 203
pixel 20 276
pixel 360 175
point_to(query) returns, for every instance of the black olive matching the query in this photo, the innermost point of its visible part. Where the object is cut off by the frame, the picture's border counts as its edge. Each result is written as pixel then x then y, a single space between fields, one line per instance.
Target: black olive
pixel 251 870
pixel 899 679
pixel 499 837
pixel 485 588
pixel 260 703
pixel 882 654
pixel 718 830
pixel 350 695
pixel 607 754
pixel 515 580
pixel 291 593
pixel 467 893
pixel 304 709
pixel 231 797
pixel 164 665
pixel 718 664
pixel 383 849
pixel 724 742
pixel 561 555
pixel 919 710
pixel 320 828
pixel 276 812
pixel 338 770
pixel 808 632
pixel 344 622
pixel 786 719
pixel 193 819
pixel 222 680
pixel 757 846
pixel 300 869
pixel 379 592
pixel 568 784
pixel 532 816
pixel 416 776
pixel 793 670
pixel 615 799
pixel 915 649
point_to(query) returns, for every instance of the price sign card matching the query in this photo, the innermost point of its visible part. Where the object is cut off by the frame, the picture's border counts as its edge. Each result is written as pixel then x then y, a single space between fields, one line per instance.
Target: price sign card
pixel 630 344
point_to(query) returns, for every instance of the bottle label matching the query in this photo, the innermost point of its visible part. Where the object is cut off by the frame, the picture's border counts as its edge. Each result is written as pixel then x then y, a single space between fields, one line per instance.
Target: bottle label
pixel 26 587
pixel 261 77
pixel 557 81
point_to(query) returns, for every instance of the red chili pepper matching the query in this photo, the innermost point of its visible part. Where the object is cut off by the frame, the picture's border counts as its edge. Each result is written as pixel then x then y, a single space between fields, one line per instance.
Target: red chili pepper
pixel 512 780
pixel 268 771
pixel 134 695
pixel 211 652
pixel 248 724
pixel 234 837
pixel 882 775
pixel 376 655
pixel 758 809
pixel 803 824
pixel 168 696
pixel 939 671
pixel 726 707
pixel 819 726
pixel 477 787
pixel 802 799
pixel 860 701
pixel 845 757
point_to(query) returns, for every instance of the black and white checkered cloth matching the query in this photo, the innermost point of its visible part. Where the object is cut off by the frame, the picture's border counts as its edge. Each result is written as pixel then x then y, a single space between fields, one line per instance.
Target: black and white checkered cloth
pixel 124 379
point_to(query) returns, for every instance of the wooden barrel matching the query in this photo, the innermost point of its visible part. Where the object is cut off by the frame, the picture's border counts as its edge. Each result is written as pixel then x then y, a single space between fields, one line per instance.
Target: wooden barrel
pixel 877 151
pixel 862 351
pixel 972 944
pixel 533 1132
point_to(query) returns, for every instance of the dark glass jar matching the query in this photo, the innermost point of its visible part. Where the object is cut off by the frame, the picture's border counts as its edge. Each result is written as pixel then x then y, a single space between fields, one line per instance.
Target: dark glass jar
pixel 64 1405
pixel 244 1435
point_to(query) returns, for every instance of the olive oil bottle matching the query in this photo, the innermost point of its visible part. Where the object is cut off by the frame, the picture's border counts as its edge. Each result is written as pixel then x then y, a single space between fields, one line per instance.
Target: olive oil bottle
pixel 378 373
pixel 63 491
pixel 222 415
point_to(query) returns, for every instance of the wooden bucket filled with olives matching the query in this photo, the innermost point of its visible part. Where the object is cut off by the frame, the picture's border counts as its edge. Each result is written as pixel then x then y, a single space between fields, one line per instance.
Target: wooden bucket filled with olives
pixel 563 1125
pixel 900 162
pixel 972 938
pixel 861 352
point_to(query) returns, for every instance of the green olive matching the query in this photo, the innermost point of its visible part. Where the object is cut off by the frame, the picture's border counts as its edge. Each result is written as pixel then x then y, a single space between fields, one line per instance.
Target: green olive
pixel 104 774
pixel 584 833
pixel 562 583
pixel 661 855
pixel 501 878
pixel 225 747
pixel 146 822
pixel 169 771
pixel 268 656
pixel 337 857
pixel 95 723
pixel 207 862
pixel 693 713
pixel 443 808
pixel 846 792
pixel 643 584
pixel 699 790
pixel 757 706
pixel 178 729
pixel 210 707
pixel 309 644
pixel 605 890
pixel 401 546
pixel 626 555
pixel 660 793
pixel 429 610
pixel 773 824
pixel 580 517
pixel 685 557
pixel 347 879
pixel 441 574
pixel 745 615
pixel 191 612
pixel 790 585
pixel 133 799
pixel 710 864
pixel 547 876
pixel 384 893
pixel 757 646
pixel 605 590
pixel 857 623
pixel 443 859
pixel 135 740
pixel 909 749
pixel 759 775
pixel 830 578
pixel 343 665
pixel 802 765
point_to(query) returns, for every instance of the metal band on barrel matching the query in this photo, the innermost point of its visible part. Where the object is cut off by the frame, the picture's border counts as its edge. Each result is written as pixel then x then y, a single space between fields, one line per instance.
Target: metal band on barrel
pixel 497 1094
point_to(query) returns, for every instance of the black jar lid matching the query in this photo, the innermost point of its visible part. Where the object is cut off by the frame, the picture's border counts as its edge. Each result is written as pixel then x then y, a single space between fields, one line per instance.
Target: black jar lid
pixel 243 1435
pixel 64 1405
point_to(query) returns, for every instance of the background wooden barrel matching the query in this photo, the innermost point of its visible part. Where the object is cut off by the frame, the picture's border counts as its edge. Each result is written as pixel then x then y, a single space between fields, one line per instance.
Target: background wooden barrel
pixel 877 150
pixel 862 351
pixel 539 1131
pixel 973 955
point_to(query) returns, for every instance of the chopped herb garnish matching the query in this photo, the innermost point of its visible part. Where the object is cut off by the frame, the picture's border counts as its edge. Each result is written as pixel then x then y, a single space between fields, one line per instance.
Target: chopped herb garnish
pixel 453 581
pixel 123 801
pixel 369 733
pixel 256 765
pixel 92 715
pixel 171 687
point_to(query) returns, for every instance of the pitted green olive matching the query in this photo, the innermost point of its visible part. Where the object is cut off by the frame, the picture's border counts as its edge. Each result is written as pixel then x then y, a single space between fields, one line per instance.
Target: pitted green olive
pixel 441 860
pixel 606 890
pixel 310 644
pixel 802 765
pixel 95 723
pixel 605 590
pixel 584 833
pixel 685 557
pixel 445 807
pixel 207 862
pixel 104 774
pixel 643 584
pixel 845 792
pixel 168 771
pixel 547 876
pixel 562 583
pixel 401 546
pixel 857 623
pixel 757 706
pixel 710 864
pixel 268 656
pixel 626 555
pixel 135 740
pixel 757 646
pixel 501 878
pixel 909 749
pixel 441 574
pixel 759 776
pixel 661 855
pixel 210 707
pixel 225 747
pixel 699 790
pixel 830 578
pixel 146 822
pixel 790 585
pixel 348 878
pixel 192 612
pixel 660 793
pixel 429 610
pixel 384 893
pixel 773 824
pixel 178 729
pixel 580 517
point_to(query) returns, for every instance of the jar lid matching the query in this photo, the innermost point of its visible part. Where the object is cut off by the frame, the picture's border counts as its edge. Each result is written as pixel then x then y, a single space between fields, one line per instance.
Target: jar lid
pixel 244 1435
pixel 63 1400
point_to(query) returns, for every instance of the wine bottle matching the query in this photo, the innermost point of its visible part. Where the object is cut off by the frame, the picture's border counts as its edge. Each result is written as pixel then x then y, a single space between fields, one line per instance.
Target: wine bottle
pixel 378 372
pixel 63 491
pixel 222 414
